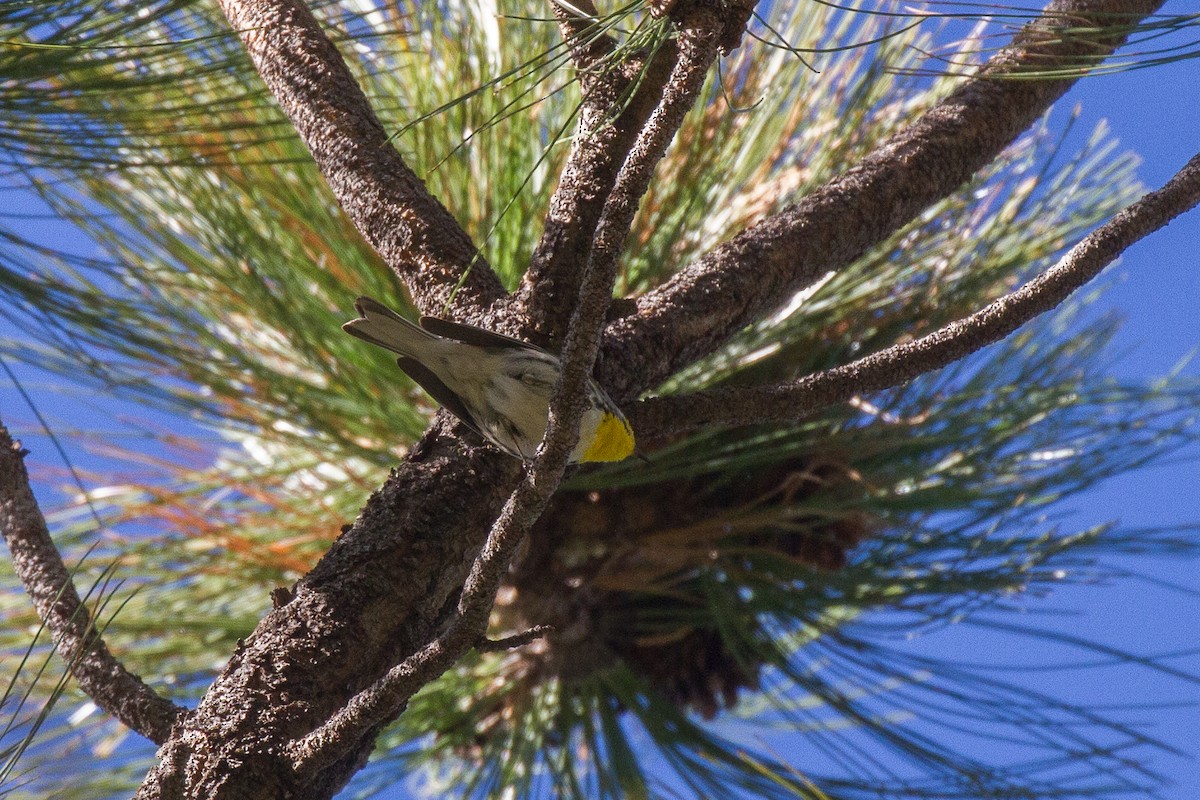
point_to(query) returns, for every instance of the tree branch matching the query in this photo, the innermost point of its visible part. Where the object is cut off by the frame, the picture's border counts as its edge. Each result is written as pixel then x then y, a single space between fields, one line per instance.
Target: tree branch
pixel 392 581
pixel 610 121
pixel 902 363
pixel 40 567
pixel 388 204
pixel 386 587
pixel 734 284
pixel 698 39
pixel 590 47
pixel 383 701
pixel 516 640
pixel 426 523
pixel 700 33
pixel 610 117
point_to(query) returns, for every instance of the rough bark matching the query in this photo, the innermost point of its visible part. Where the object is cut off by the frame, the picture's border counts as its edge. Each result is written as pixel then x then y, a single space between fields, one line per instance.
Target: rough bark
pixel 360 611
pixel 390 583
pixel 386 586
pixel 617 100
pixel 48 582
pixel 904 362
pixel 414 233
pixel 609 120
pixel 739 281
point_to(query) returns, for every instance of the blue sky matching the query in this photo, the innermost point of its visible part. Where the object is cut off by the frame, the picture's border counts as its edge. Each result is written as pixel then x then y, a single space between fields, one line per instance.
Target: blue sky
pixel 1154 113
pixel 1157 290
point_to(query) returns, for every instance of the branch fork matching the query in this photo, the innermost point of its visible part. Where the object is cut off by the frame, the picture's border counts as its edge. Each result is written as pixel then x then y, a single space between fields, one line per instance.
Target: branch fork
pixel 352 600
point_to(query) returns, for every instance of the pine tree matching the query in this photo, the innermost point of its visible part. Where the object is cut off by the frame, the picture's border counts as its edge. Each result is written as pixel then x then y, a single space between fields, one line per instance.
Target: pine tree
pixel 668 611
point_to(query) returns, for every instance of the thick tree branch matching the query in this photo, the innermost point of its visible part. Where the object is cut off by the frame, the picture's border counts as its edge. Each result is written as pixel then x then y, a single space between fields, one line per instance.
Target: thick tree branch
pixel 40 567
pixel 369 710
pixel 389 205
pixel 384 590
pixel 902 363
pixel 730 287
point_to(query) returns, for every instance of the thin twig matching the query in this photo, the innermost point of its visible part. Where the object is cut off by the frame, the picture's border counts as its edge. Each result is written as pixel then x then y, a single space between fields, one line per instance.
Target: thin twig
pixel 521 639
pixel 388 204
pixel 902 363
pixel 737 282
pixel 40 567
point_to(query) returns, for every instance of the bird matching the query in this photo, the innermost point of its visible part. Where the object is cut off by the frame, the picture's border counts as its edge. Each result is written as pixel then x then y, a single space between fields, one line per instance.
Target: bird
pixel 499 386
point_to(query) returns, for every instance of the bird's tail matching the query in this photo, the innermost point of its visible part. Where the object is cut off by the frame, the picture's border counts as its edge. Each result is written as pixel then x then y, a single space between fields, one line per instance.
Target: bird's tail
pixel 384 328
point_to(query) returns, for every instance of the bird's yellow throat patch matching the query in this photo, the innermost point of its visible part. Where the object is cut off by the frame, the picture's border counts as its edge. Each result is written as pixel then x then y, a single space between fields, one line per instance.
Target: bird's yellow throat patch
pixel 613 440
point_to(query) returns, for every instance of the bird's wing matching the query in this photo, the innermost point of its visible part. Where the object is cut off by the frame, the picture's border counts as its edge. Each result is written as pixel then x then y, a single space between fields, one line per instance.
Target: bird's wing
pixel 469 334
pixel 438 390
